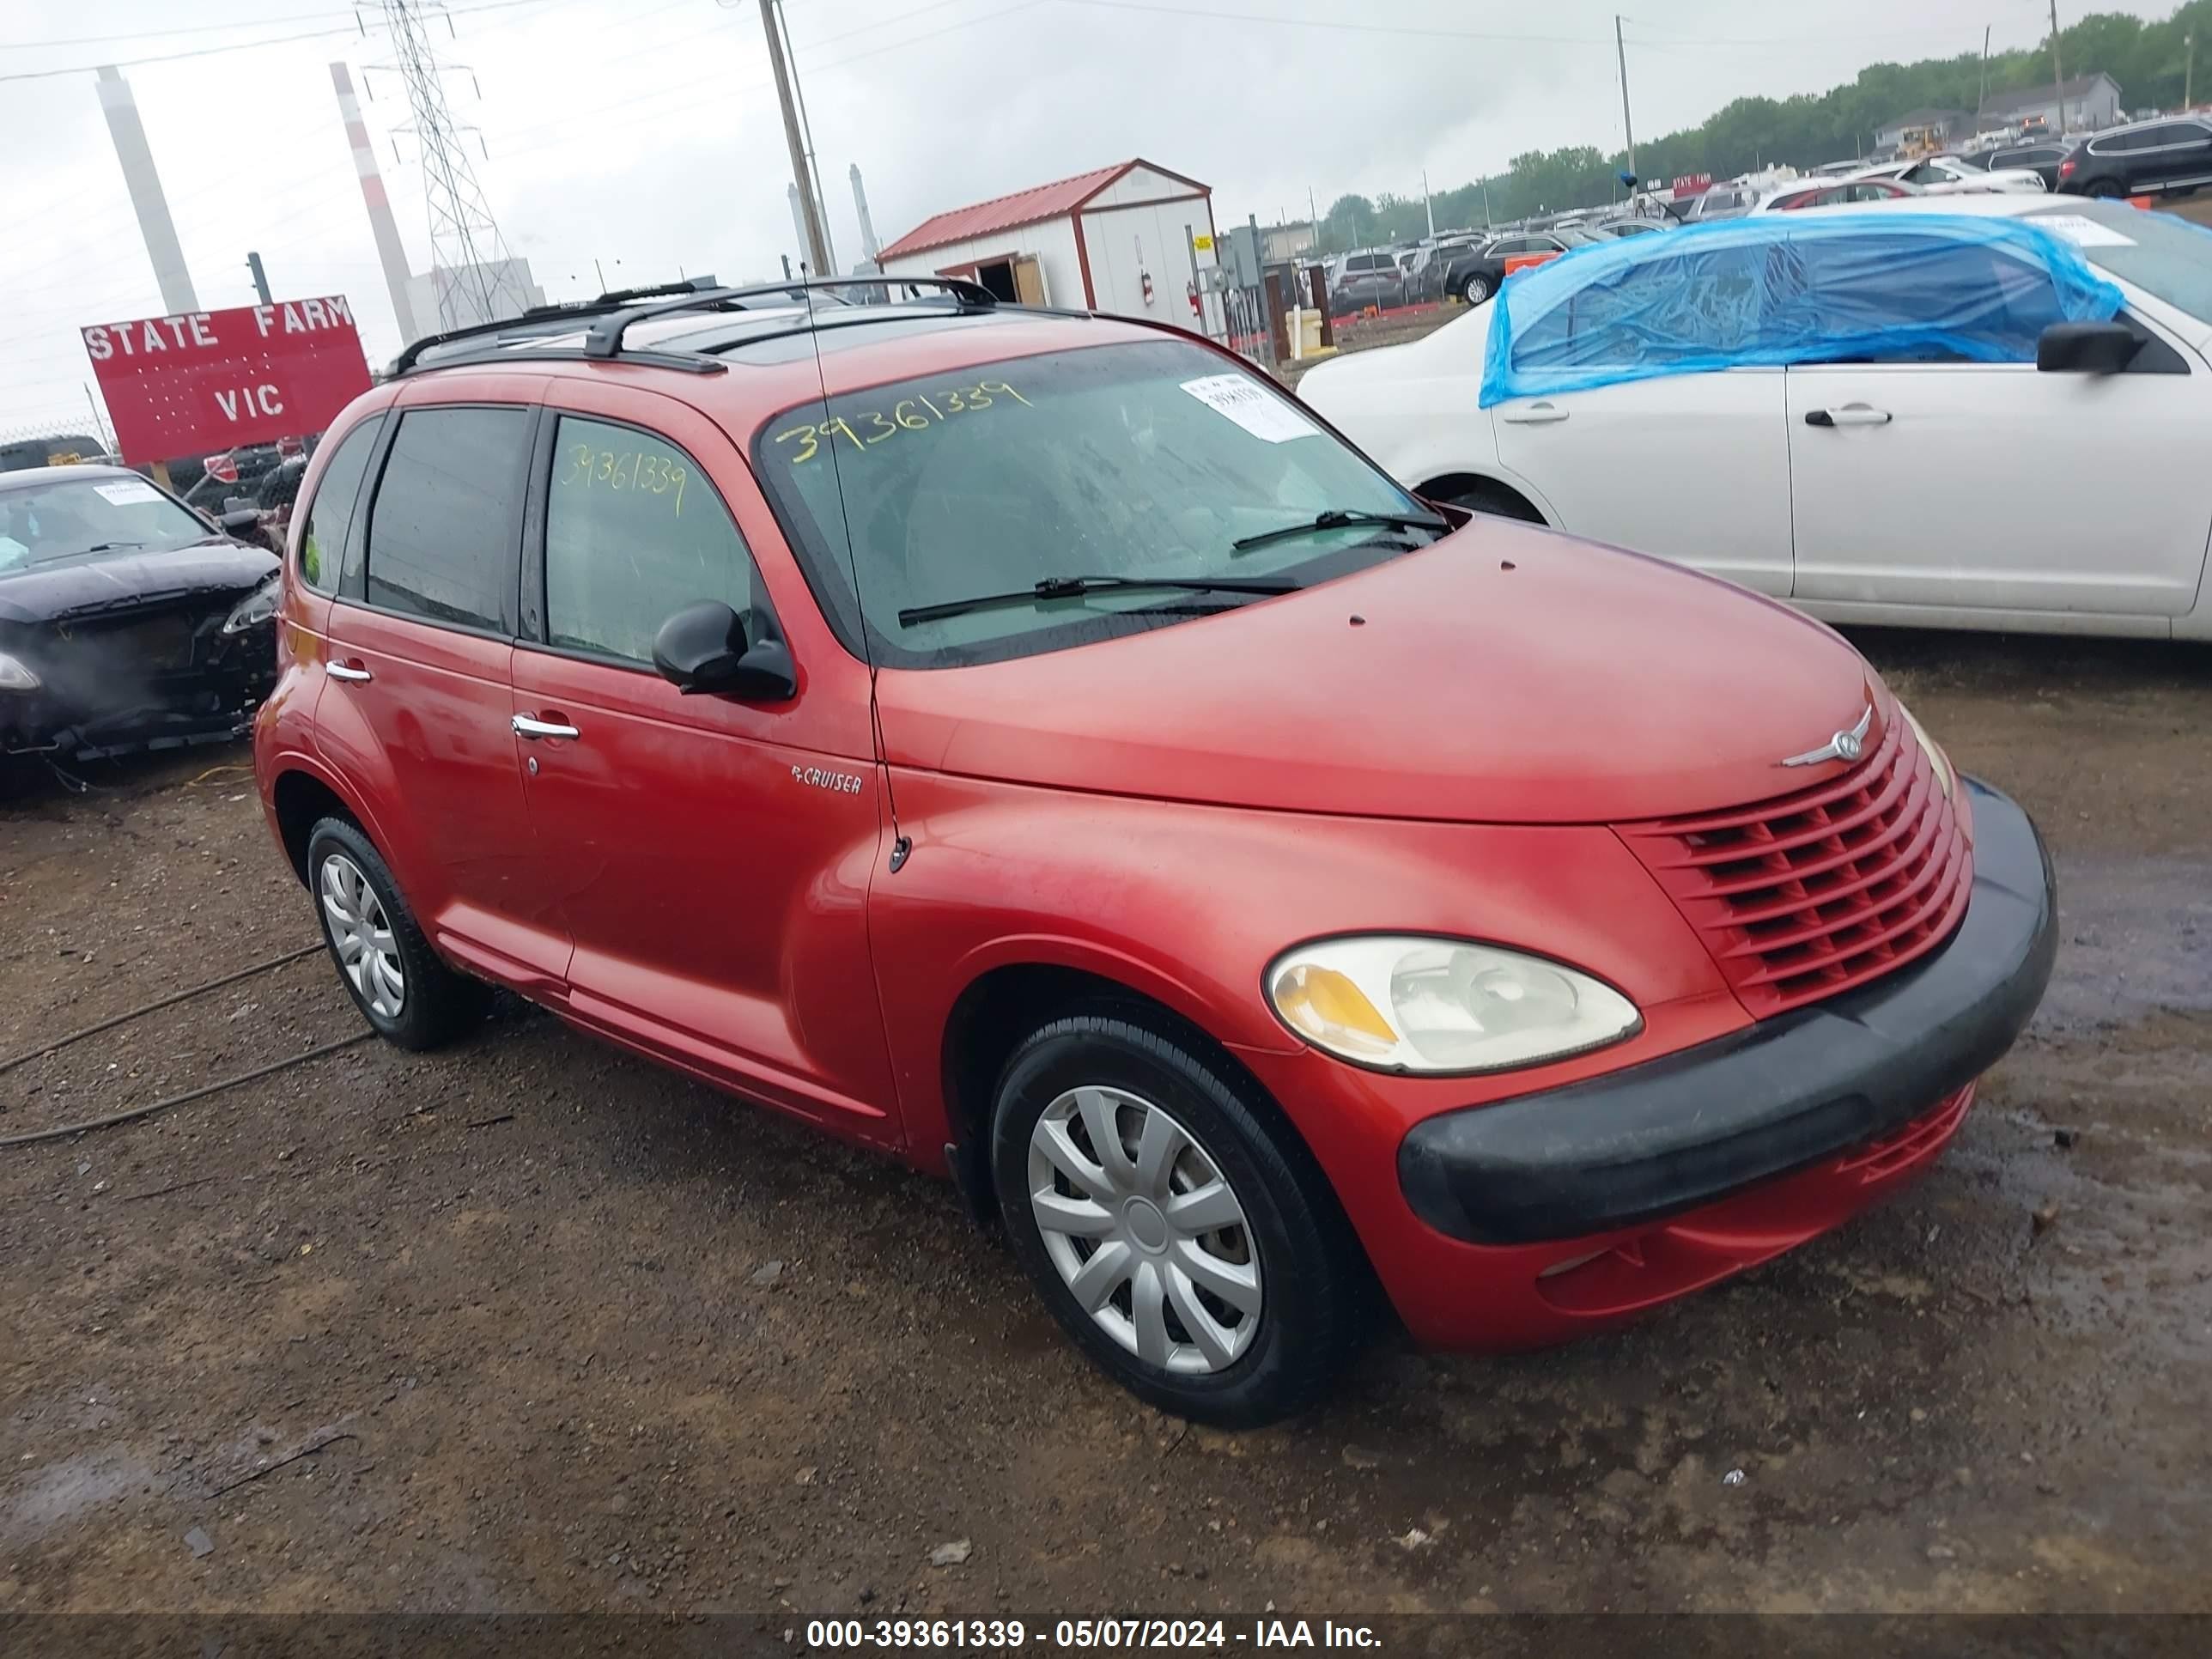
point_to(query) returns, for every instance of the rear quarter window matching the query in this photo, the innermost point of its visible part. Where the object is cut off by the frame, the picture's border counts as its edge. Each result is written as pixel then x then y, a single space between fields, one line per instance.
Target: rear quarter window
pixel 330 515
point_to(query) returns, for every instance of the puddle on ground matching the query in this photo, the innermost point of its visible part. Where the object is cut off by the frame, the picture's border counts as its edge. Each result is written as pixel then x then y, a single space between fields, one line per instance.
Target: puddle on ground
pixel 61 1492
pixel 2135 936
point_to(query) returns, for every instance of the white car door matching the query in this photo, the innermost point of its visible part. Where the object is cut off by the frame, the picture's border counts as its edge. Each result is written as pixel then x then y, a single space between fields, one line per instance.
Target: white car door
pixel 1997 487
pixel 1693 467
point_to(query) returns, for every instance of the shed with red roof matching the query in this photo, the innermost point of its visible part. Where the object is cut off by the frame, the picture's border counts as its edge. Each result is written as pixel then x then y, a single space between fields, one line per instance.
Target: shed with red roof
pixel 1121 239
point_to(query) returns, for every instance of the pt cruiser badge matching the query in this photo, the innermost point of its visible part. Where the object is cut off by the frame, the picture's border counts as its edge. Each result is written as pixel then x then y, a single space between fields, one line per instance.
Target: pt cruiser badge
pixel 845 783
pixel 1843 746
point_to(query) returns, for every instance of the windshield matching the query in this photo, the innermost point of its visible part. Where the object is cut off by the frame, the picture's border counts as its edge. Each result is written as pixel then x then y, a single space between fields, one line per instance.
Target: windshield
pixel 2166 257
pixel 43 522
pixel 1145 460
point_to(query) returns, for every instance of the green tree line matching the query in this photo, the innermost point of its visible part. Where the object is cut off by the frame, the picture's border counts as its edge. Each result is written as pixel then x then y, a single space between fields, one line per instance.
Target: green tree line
pixel 2148 59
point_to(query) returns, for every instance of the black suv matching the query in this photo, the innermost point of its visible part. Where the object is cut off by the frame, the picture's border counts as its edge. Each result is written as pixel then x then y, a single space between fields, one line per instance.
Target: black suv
pixel 2163 156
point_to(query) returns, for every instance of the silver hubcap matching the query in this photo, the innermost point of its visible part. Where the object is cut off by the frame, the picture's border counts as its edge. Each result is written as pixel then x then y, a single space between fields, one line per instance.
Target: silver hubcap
pixel 1144 1230
pixel 361 934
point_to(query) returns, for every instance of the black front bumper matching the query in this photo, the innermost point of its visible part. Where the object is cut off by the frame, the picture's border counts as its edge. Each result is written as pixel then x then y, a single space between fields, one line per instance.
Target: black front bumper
pixel 87 716
pixel 1683 1130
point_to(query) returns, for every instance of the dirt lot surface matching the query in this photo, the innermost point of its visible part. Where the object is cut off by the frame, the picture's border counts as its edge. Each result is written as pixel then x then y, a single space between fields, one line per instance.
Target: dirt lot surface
pixel 1367 334
pixel 569 1332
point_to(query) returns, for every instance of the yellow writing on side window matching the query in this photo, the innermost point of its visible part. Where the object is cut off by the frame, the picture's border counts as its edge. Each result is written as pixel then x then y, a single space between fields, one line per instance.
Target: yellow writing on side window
pixel 916 414
pixel 633 470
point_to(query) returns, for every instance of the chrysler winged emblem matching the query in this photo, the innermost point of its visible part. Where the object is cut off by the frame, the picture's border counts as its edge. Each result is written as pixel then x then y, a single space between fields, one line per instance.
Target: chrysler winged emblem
pixel 1843 746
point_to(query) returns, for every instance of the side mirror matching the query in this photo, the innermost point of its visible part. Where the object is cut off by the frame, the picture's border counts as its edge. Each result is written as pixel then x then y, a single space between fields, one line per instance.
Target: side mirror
pixel 2086 348
pixel 701 650
pixel 239 521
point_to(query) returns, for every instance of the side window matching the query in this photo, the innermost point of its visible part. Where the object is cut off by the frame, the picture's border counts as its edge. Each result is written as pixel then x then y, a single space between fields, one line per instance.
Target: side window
pixel 1986 295
pixel 330 514
pixel 1668 311
pixel 634 533
pixel 442 533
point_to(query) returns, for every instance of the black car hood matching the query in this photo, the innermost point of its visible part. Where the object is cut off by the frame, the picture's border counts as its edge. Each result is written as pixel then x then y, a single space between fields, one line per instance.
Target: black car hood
pixel 92 582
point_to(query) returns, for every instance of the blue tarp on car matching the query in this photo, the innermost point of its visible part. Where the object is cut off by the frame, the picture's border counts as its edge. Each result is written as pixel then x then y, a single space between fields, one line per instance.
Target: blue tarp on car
pixel 1787 288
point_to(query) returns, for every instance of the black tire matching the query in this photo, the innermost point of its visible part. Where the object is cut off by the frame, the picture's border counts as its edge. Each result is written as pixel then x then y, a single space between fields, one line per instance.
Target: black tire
pixel 2105 190
pixel 1494 501
pixel 1475 289
pixel 435 1003
pixel 1297 1236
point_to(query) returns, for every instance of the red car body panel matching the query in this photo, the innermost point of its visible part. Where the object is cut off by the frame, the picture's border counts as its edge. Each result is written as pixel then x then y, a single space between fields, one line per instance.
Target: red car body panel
pixel 1494 712
pixel 1437 745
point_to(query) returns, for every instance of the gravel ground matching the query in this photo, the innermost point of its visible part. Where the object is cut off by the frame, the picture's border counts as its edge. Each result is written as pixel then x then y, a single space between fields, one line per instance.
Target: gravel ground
pixel 541 1326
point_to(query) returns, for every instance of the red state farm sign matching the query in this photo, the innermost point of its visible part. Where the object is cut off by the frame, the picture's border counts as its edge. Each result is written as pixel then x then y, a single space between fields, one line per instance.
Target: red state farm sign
pixel 213 379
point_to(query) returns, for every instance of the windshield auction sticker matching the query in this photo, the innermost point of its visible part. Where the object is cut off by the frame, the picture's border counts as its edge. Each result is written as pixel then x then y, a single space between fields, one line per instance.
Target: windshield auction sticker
pixel 1260 413
pixel 2080 230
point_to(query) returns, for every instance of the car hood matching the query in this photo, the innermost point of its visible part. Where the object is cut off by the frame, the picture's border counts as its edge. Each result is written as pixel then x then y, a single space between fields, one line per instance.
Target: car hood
pixel 91 582
pixel 1506 674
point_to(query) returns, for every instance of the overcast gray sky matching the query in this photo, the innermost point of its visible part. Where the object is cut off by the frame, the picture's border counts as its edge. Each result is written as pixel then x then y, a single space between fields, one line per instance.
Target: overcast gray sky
pixel 645 133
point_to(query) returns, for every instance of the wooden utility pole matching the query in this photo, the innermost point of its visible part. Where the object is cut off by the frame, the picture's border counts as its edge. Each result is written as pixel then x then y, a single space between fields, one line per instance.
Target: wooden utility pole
pixel 2058 69
pixel 1628 126
pixel 818 251
pixel 1982 98
pixel 2189 69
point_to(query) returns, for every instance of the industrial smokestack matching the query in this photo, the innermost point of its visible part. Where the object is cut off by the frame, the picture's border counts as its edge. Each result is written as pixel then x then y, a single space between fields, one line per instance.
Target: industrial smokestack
pixel 869 249
pixel 389 253
pixel 798 225
pixel 145 183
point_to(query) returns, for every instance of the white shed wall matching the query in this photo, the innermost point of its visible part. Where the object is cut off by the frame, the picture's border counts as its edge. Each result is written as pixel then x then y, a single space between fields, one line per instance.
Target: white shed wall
pixel 1125 242
pixel 1138 184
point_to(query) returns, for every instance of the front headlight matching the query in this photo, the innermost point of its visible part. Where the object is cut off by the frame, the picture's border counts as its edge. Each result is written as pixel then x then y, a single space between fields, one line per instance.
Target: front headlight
pixel 1936 757
pixel 255 608
pixel 16 676
pixel 1403 1003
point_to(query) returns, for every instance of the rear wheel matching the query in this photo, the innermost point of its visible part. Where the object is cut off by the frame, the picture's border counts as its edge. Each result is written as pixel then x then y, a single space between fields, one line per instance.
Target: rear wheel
pixel 1475 289
pixel 388 969
pixel 1179 1233
pixel 2105 189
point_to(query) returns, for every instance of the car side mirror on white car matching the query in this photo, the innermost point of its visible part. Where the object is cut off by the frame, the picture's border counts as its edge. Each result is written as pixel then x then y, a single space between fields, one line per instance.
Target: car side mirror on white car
pixel 2086 348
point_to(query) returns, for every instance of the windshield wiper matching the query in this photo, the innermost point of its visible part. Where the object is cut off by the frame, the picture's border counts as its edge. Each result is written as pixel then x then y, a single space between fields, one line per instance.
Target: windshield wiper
pixel 1068 587
pixel 1336 518
pixel 109 547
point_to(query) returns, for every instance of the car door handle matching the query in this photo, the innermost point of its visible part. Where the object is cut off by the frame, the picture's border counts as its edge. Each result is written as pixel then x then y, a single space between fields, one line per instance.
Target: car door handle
pixel 338 670
pixel 528 726
pixel 1849 414
pixel 1534 415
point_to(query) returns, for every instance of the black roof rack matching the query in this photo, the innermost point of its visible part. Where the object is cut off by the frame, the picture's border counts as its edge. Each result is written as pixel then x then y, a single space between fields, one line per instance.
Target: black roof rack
pixel 606 318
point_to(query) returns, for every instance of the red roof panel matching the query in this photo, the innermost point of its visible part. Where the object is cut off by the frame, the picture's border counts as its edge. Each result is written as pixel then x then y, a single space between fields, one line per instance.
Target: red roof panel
pixel 1023 207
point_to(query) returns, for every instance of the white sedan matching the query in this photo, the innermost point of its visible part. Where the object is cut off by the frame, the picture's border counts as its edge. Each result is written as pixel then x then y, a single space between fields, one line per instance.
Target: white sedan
pixel 1940 492
pixel 1947 175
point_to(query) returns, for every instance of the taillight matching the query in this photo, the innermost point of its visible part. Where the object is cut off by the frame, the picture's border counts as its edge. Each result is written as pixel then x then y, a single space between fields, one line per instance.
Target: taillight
pixel 2066 168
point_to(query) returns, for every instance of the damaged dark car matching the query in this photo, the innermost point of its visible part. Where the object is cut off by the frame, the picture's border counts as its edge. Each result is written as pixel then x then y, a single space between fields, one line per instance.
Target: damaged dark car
pixel 127 620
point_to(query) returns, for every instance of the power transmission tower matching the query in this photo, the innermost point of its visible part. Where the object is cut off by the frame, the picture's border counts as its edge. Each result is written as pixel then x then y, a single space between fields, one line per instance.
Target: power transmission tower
pixel 476 279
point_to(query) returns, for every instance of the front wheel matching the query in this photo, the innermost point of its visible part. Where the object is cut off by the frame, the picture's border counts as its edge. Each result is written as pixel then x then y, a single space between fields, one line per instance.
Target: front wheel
pixel 1475 289
pixel 1179 1232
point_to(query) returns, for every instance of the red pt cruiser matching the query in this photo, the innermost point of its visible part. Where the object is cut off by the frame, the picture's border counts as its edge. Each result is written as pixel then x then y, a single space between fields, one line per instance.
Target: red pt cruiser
pixel 1034 745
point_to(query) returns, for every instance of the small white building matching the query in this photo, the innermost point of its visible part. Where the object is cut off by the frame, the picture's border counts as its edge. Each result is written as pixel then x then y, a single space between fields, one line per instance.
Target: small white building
pixel 2092 103
pixel 1131 239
